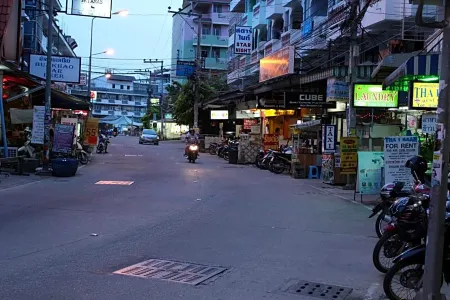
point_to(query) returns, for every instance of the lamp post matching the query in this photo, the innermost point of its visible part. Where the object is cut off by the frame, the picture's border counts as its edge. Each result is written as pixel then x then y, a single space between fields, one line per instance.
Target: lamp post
pixel 122 13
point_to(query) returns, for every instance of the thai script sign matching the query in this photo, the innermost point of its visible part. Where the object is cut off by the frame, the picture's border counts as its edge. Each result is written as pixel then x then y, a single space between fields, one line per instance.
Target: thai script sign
pixel 243 40
pixel 425 95
pixel 64 69
pixel 397 150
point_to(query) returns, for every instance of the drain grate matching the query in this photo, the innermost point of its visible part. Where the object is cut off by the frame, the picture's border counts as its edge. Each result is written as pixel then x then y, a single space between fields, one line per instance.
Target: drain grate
pixel 172 271
pixel 320 290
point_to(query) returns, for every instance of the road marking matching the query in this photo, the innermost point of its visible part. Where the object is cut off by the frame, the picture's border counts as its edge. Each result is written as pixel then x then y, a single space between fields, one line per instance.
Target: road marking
pixel 103 182
pixel 133 155
pixel 372 292
pixel 342 197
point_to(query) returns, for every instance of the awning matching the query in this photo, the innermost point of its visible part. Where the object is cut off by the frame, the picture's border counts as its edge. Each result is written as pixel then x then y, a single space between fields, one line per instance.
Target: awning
pixel 61 100
pixel 390 63
pixel 427 64
pixel 121 121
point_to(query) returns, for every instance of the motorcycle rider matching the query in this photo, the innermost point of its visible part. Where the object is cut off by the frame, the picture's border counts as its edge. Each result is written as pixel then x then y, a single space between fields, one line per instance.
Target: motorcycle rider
pixel 191 138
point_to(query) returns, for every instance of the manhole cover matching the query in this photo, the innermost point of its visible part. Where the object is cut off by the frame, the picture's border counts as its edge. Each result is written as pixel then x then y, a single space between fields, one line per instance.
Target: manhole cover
pixel 319 290
pixel 172 271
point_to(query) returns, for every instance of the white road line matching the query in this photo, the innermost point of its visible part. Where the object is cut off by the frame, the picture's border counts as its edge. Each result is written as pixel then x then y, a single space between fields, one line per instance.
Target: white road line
pixel 372 292
pixel 342 197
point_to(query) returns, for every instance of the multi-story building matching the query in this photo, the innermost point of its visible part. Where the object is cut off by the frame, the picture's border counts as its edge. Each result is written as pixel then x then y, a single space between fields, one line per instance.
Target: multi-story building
pixel 35 31
pixel 118 95
pixel 213 40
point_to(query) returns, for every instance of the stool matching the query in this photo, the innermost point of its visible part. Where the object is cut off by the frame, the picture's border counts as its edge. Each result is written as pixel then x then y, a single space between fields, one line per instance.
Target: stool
pixel 313 172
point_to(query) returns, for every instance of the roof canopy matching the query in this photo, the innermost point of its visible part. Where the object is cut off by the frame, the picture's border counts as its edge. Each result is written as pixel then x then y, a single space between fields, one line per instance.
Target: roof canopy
pixel 120 121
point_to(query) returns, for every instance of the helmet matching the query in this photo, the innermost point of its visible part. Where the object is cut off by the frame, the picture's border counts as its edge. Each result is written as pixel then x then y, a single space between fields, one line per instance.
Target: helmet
pixel 411 218
pixel 418 166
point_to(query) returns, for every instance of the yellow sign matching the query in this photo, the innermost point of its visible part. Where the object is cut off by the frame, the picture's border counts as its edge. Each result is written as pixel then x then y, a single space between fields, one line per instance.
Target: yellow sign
pixel 91 132
pixel 275 112
pixel 349 155
pixel 425 95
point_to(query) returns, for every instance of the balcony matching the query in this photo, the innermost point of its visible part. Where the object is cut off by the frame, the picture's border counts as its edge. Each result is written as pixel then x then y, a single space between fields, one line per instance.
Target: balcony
pixel 259 16
pixel 290 3
pixel 295 36
pixel 120 102
pixel 274 9
pixel 100 112
pixel 212 40
pixel 237 6
pixel 216 63
pixel 216 18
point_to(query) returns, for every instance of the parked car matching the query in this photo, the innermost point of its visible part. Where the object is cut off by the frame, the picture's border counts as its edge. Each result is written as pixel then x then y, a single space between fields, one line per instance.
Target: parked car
pixel 149 136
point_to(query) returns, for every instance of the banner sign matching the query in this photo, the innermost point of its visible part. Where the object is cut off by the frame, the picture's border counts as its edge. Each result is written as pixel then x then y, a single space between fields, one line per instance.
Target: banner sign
pixel 397 150
pixel 64 69
pixel 424 95
pixel 337 90
pixel 329 138
pixel 349 158
pixel 429 123
pixel 373 96
pixel 370 172
pixel 91 133
pixel 38 131
pixel 243 40
pixel 63 139
pixel 92 8
pixel 270 141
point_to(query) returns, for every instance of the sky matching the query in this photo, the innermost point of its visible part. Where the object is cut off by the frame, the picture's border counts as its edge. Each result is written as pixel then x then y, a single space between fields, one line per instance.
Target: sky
pixel 144 34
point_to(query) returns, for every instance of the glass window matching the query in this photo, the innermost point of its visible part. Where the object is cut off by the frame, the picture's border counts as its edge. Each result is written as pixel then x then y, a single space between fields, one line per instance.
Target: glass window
pixel 149 131
pixel 217 8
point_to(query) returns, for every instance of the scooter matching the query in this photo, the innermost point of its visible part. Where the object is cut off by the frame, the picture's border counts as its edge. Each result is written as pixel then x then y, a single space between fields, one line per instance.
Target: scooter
pixel 103 143
pixel 83 156
pixel 192 153
pixel 27 150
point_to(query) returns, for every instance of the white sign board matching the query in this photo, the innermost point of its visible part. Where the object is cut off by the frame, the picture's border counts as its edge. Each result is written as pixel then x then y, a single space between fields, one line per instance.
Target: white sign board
pixel 69 121
pixel 219 115
pixel 38 133
pixel 64 69
pixel 397 150
pixel 243 40
pixel 429 123
pixel 329 139
pixel 92 8
pixel 247 114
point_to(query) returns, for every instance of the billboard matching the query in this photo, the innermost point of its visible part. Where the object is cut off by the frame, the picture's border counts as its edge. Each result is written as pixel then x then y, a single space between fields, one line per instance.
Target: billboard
pixel 277 64
pixel 185 68
pixel 373 96
pixel 243 40
pixel 64 69
pixel 92 8
pixel 424 95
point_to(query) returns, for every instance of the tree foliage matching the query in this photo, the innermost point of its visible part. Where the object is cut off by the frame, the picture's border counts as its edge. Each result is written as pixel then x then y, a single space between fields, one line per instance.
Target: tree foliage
pixel 182 97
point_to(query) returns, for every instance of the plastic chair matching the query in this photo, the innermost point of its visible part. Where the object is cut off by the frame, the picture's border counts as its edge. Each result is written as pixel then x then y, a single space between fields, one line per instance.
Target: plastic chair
pixel 313 172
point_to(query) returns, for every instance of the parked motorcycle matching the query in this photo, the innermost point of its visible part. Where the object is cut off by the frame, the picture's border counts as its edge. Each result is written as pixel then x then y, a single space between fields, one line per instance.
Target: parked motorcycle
pixel 102 144
pixel 27 150
pixel 192 153
pixel 213 148
pixel 82 153
pixel 280 161
pixel 226 151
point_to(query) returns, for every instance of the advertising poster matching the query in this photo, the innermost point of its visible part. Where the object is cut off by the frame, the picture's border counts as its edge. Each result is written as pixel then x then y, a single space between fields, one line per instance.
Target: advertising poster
pixel 270 141
pixel 38 131
pixel 397 150
pixel 370 172
pixel 349 156
pixel 91 133
pixel 63 140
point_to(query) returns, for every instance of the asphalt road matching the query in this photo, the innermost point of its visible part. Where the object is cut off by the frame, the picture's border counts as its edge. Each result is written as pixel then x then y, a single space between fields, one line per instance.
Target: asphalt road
pixel 64 238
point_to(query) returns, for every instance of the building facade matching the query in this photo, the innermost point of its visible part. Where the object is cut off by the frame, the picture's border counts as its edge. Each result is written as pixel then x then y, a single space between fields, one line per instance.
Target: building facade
pixel 214 36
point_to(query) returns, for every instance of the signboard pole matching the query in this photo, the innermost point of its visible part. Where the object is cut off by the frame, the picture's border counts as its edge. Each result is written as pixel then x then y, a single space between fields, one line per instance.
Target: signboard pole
pixel 48 93
pixel 436 229
pixel 197 74
pixel 90 65
pixel 161 101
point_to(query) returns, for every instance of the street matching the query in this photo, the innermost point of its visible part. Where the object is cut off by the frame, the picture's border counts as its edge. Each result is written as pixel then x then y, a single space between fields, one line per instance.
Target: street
pixel 63 238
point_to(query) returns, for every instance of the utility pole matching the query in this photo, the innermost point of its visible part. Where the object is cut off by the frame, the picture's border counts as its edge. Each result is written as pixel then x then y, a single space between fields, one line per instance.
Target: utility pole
pixel 161 111
pixel 197 58
pixel 48 92
pixel 436 220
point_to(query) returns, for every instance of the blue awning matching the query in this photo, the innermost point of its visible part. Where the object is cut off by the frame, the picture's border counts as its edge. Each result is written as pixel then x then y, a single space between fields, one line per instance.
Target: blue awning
pixel 427 64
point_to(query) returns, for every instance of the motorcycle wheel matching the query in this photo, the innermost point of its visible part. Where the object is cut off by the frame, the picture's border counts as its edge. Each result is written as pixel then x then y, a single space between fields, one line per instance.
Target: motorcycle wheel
pixel 276 167
pixel 380 223
pixel 225 156
pixel 258 160
pixel 99 149
pixel 409 275
pixel 212 150
pixel 395 248
pixel 83 158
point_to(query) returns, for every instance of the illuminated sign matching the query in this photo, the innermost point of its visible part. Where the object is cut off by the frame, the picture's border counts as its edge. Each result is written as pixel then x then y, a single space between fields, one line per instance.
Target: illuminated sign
pixel 373 96
pixel 219 115
pixel 277 64
pixel 425 95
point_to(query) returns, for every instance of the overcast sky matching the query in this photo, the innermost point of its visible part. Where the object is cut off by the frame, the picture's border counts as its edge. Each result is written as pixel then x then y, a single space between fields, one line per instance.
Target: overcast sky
pixel 145 33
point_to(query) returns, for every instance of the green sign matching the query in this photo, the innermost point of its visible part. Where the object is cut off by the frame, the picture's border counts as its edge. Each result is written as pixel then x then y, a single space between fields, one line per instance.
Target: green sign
pixel 373 96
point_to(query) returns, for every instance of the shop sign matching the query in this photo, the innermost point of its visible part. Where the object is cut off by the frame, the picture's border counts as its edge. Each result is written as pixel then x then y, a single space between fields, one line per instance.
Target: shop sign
pixel 277 64
pixel 185 68
pixel 64 69
pixel 63 139
pixel 69 121
pixel 91 132
pixel 329 138
pixel 219 115
pixel 275 113
pixel 348 155
pixel 373 96
pixel 247 114
pixel 337 90
pixel 397 150
pixel 425 95
pixel 429 123
pixel 80 112
pixel 248 123
pixel 92 8
pixel 306 100
pixel 38 131
pixel 370 172
pixel 243 40
pixel 270 141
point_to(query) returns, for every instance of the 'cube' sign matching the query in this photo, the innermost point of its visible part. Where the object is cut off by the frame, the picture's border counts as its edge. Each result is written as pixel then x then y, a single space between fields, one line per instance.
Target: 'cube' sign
pixel 243 40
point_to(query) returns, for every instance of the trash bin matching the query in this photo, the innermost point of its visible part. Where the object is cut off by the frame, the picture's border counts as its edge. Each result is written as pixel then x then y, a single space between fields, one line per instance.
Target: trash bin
pixel 233 155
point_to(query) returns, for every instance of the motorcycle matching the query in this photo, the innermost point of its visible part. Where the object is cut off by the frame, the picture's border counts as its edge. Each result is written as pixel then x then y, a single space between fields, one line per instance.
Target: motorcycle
pixel 226 150
pixel 102 144
pixel 192 153
pixel 280 161
pixel 82 153
pixel 27 150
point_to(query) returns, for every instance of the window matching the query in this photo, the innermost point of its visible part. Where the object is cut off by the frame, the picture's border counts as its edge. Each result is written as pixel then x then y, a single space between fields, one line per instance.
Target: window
pixel 149 132
pixel 216 30
pixel 114 86
pixel 217 8
pixel 216 52
pixel 121 87
pixel 205 51
pixel 206 29
pixel 128 87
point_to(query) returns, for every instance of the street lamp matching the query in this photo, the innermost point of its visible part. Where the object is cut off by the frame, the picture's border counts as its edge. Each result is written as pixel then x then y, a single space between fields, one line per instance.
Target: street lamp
pixel 122 13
